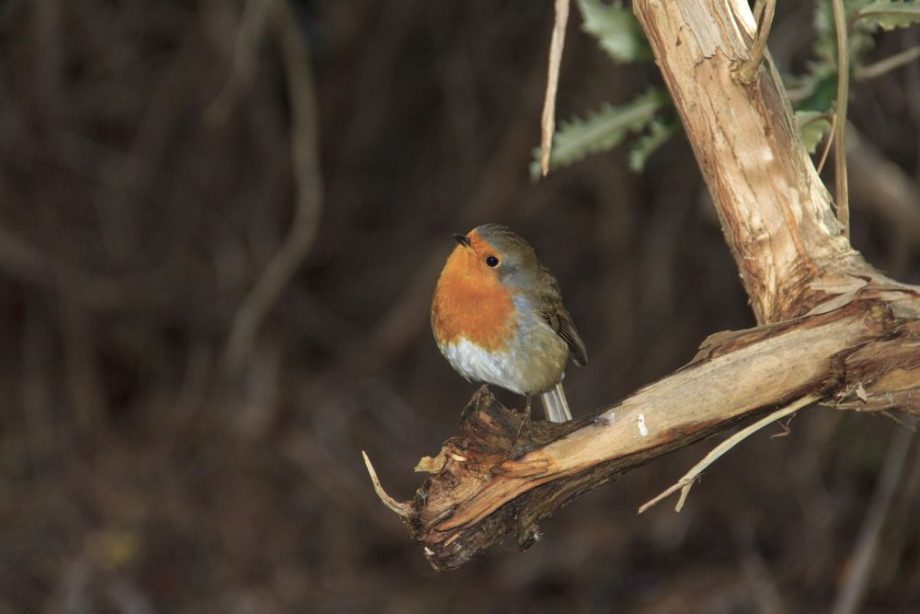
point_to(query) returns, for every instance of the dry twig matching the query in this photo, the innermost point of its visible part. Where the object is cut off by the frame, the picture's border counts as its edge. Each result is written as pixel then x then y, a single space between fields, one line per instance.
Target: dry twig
pixel 764 12
pixel 827 144
pixel 402 509
pixel 548 123
pixel 843 92
pixel 686 482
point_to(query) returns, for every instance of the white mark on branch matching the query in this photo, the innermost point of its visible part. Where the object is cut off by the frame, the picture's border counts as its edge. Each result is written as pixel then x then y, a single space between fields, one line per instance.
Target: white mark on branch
pixel 764 155
pixel 643 430
pixel 861 393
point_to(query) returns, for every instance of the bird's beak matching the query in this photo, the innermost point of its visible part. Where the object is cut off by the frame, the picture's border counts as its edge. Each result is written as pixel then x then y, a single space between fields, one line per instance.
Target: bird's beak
pixel 462 240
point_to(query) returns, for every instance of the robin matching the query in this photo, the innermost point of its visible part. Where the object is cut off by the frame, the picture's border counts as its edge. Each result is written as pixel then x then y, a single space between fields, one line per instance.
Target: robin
pixel 498 318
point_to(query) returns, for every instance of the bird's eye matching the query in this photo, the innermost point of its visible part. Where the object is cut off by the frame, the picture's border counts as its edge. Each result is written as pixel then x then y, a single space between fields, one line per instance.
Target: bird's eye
pixel 492 261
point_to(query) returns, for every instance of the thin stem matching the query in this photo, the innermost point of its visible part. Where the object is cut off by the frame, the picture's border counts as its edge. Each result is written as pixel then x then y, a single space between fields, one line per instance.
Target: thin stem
pixel 827 146
pixel 686 482
pixel 888 64
pixel 764 11
pixel 402 509
pixel 843 88
pixel 282 266
pixel 552 84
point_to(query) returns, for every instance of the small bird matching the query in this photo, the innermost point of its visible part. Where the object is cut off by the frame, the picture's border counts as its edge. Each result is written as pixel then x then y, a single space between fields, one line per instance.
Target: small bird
pixel 498 317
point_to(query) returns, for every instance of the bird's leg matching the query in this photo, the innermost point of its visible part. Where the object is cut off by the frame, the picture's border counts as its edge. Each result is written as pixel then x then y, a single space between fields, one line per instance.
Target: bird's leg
pixel 526 416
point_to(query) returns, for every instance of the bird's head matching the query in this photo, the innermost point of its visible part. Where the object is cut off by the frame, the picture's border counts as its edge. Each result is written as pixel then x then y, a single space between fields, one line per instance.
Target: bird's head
pixel 494 253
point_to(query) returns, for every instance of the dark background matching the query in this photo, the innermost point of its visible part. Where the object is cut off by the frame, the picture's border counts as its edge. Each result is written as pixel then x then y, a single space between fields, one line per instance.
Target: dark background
pixel 145 183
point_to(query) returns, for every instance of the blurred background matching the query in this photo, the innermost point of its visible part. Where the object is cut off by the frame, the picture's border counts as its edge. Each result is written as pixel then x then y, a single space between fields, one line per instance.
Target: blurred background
pixel 221 222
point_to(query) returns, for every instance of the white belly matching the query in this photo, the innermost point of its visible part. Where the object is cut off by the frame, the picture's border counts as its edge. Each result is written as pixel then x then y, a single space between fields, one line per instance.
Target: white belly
pixel 541 371
pixel 478 365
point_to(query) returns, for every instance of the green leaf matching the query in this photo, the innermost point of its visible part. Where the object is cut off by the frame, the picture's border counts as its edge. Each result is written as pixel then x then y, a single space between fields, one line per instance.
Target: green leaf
pixel 859 39
pixel 822 92
pixel 600 131
pixel 818 85
pixel 615 29
pixel 647 144
pixel 812 126
pixel 891 14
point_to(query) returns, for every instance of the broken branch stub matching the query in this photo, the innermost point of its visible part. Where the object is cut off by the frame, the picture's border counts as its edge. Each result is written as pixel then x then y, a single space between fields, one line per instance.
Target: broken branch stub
pixel 489 440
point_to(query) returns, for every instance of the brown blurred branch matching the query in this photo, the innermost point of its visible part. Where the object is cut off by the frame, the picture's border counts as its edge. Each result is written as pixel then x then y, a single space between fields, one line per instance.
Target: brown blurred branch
pixel 883 187
pixel 26 263
pixel 886 65
pixel 831 327
pixel 309 189
pixel 249 32
pixel 861 565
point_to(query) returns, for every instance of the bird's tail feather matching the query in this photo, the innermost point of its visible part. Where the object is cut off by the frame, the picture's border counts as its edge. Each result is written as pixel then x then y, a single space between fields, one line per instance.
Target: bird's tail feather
pixel 555 405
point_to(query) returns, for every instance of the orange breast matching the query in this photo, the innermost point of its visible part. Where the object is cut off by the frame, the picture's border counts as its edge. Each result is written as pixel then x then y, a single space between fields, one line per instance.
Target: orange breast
pixel 470 302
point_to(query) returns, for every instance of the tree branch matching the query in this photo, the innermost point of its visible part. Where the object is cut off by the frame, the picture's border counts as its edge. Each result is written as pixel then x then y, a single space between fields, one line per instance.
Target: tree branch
pixel 775 211
pixel 309 188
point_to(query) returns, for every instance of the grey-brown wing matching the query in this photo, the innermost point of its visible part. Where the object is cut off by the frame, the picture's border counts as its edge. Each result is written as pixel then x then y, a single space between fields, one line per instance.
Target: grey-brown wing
pixel 558 318
pixel 561 322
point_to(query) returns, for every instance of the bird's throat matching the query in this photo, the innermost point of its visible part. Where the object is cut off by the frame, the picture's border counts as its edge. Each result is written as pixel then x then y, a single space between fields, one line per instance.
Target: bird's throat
pixel 470 302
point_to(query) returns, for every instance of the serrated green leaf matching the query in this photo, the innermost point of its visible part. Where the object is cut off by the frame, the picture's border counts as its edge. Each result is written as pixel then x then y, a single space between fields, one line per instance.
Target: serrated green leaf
pixel 891 14
pixel 647 144
pixel 812 127
pixel 818 86
pixel 859 38
pixel 600 131
pixel 615 29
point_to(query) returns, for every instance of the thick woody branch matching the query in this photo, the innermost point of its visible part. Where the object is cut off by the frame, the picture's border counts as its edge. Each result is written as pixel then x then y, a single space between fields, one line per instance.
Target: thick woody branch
pixel 775 212
pixel 502 473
